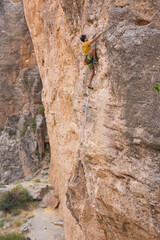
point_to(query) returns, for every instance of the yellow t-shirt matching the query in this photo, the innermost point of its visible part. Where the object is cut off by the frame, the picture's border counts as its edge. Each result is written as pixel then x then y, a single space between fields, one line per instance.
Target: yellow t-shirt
pixel 86 47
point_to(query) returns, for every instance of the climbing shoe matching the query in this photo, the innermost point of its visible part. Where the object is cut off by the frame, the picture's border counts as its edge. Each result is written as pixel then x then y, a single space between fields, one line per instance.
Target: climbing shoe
pixel 95 61
pixel 89 86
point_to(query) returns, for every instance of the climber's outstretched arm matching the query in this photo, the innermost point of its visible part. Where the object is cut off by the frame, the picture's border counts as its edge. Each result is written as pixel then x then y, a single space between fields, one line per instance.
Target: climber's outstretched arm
pixel 95 38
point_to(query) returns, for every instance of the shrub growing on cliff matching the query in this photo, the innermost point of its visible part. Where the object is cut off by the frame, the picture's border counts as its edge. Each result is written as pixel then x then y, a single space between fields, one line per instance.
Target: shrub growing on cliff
pixel 1 129
pixel 12 133
pixel 157 88
pixel 12 236
pixel 17 197
pixel 23 131
pixel 37 168
pixel 41 109
pixel 26 80
pixel 30 122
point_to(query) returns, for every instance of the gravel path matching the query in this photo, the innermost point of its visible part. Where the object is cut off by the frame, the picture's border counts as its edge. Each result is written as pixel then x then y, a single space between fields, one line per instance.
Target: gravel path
pixel 46 225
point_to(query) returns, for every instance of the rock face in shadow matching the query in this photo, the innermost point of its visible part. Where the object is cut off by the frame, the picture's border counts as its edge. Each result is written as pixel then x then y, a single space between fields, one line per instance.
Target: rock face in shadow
pixel 106 142
pixel 22 141
pixel 22 135
pixel 16 54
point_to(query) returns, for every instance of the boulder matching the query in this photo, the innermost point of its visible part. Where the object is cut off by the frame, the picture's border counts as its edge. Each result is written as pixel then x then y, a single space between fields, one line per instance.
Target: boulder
pixel 50 200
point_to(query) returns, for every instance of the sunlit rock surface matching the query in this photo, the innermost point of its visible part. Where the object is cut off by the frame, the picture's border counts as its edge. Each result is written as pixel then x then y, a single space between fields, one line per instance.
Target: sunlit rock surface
pixel 104 143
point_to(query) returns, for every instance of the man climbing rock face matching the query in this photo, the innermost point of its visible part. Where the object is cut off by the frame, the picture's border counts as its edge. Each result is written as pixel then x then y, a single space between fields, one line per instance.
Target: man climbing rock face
pixel 90 55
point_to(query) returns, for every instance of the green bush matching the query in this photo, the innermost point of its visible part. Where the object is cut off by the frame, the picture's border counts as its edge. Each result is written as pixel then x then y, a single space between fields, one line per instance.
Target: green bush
pixel 17 197
pixel 17 119
pixel 37 168
pixel 23 131
pixel 15 212
pixel 30 122
pixel 1 129
pixel 12 236
pixel 12 132
pixel 157 88
pixel 41 109
pixel 37 180
pixel 2 223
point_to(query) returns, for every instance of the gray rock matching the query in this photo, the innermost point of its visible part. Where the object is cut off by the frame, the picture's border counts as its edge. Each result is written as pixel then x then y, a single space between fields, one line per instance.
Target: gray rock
pixel 40 134
pixel 20 94
pixel 28 151
pixel 6 224
pixel 16 53
pixel 25 227
pixel 39 192
pixel 10 164
pixel 50 200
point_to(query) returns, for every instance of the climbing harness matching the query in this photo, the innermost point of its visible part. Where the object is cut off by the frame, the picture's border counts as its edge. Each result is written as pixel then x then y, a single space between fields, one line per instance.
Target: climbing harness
pixel 90 60
pixel 84 62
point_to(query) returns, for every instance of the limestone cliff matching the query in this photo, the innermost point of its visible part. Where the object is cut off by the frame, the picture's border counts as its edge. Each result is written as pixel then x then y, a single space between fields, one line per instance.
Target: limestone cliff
pixel 22 128
pixel 104 143
pixel 16 54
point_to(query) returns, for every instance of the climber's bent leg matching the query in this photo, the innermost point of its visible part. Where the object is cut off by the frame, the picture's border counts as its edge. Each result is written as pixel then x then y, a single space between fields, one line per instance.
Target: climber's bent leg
pixel 91 76
pixel 93 53
pixel 89 61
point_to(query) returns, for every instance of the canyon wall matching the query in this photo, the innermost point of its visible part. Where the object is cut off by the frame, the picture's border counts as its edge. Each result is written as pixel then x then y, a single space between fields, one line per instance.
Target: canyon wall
pixel 22 127
pixel 104 143
pixel 16 54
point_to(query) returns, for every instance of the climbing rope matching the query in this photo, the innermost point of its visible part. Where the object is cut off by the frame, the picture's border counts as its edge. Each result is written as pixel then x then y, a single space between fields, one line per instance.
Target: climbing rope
pixel 84 159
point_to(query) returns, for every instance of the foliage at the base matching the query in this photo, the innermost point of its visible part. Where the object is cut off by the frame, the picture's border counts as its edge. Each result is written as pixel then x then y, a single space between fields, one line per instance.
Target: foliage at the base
pixel 15 212
pixel 12 236
pixel 157 88
pixel 37 168
pixel 2 223
pixel 16 198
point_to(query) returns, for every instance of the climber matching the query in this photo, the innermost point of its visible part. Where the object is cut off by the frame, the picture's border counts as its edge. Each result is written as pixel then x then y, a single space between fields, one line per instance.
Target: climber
pixel 90 55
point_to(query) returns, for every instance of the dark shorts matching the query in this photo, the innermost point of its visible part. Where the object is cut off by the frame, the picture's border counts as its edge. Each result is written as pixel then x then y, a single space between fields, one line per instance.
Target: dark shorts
pixel 89 60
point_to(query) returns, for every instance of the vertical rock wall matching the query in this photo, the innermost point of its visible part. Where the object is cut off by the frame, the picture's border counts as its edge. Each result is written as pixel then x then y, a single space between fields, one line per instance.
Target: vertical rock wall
pixel 21 141
pixel 16 54
pixel 104 143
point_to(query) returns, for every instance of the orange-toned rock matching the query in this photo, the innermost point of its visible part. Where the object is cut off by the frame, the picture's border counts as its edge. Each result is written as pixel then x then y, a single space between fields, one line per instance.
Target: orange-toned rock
pixel 50 200
pixel 104 143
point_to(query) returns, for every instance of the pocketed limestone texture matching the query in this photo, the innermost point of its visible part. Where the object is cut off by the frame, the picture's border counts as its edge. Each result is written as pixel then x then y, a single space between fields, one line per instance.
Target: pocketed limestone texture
pixel 104 143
